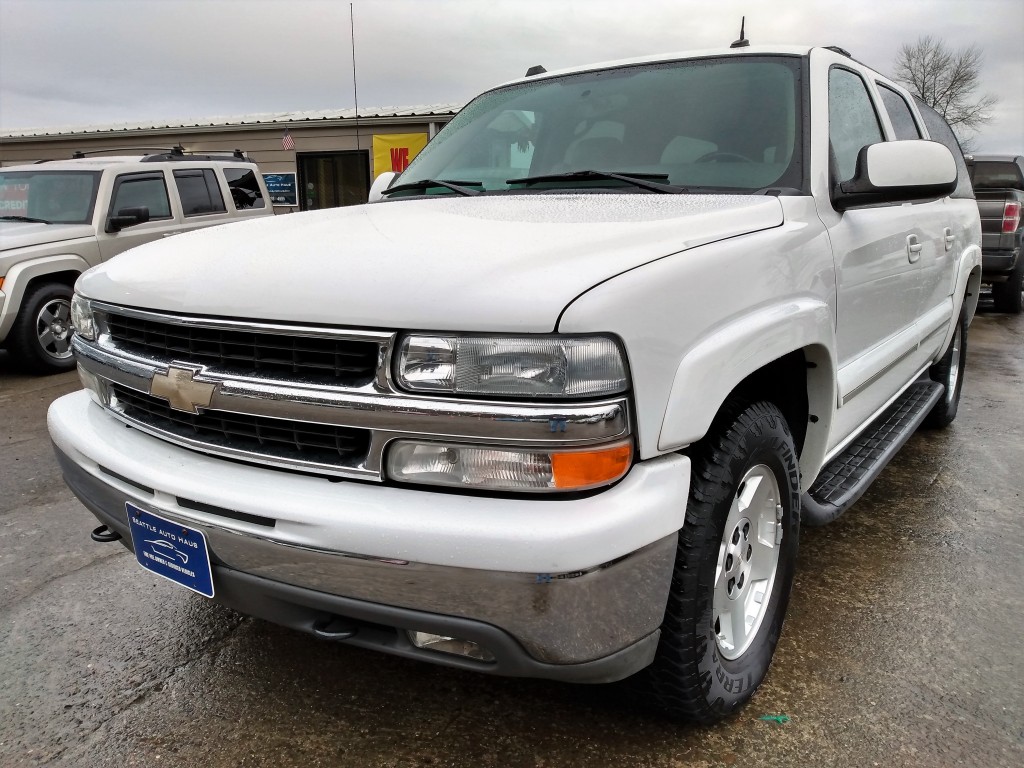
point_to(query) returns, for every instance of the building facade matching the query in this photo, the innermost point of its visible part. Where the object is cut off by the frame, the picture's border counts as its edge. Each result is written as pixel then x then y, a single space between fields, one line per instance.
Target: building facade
pixel 310 160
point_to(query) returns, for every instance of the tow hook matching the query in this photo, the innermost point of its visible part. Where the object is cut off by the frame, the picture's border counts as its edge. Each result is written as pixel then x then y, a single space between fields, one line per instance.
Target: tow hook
pixel 334 628
pixel 104 534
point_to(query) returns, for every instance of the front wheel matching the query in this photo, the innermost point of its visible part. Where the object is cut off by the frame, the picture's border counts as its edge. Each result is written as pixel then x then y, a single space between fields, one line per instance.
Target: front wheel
pixel 41 336
pixel 734 566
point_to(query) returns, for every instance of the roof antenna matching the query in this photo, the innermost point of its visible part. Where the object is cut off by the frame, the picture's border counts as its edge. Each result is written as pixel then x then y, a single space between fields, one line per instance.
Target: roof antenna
pixel 742 42
pixel 536 69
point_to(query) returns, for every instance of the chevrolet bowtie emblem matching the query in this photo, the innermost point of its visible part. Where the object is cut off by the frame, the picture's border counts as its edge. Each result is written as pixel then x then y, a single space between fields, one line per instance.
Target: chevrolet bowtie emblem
pixel 179 387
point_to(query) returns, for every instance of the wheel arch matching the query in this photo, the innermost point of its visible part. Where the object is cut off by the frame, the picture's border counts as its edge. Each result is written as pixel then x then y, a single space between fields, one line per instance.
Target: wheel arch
pixel 23 277
pixel 972 292
pixel 781 354
pixel 967 284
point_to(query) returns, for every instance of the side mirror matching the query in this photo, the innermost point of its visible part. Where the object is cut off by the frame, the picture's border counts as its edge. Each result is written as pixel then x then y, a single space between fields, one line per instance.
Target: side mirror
pixel 897 172
pixel 381 183
pixel 128 217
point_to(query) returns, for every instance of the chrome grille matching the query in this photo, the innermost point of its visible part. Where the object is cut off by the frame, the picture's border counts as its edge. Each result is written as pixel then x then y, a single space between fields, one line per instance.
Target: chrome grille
pixel 294 441
pixel 306 398
pixel 314 359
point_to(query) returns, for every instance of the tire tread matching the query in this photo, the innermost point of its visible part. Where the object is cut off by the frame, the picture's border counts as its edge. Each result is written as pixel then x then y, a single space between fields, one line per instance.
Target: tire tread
pixel 673 683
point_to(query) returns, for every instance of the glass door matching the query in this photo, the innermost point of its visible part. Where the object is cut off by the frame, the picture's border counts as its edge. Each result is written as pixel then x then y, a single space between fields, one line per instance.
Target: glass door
pixel 333 179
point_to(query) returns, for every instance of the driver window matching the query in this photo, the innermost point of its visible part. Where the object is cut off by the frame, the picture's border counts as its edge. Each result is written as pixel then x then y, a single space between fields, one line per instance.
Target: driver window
pixel 852 122
pixel 149 191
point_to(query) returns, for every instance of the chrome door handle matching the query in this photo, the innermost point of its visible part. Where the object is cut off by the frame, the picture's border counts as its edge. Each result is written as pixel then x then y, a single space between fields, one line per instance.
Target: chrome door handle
pixel 913 248
pixel 949 237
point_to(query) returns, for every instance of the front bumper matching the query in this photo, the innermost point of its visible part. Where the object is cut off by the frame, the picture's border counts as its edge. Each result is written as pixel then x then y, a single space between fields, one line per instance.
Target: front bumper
pixel 570 589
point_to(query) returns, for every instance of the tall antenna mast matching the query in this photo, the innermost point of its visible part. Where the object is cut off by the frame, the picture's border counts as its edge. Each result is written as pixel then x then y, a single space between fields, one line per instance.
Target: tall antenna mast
pixel 355 88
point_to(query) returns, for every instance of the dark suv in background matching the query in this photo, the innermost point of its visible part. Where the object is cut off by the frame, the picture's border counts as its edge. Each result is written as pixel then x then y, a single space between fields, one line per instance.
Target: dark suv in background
pixel 999 187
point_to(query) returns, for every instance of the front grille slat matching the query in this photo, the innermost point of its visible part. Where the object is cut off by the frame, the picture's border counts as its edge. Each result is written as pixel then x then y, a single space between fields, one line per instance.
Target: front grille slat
pixel 259 435
pixel 336 362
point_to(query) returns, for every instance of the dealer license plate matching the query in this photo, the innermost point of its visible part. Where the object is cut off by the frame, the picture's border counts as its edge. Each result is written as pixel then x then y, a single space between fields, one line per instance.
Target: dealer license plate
pixel 172 550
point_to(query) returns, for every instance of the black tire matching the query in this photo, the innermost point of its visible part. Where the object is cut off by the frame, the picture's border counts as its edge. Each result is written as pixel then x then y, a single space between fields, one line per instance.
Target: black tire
pixel 691 677
pixel 950 372
pixel 1009 296
pixel 28 343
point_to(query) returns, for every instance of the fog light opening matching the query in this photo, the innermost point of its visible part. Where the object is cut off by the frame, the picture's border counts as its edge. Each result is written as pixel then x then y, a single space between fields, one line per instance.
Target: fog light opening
pixel 93 385
pixel 453 645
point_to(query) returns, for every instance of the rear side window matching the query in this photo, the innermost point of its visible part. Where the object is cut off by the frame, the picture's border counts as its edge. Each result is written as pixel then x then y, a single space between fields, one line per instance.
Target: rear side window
pixel 199 191
pixel 245 188
pixel 941 132
pixel 899 114
pixel 989 174
pixel 852 122
pixel 142 190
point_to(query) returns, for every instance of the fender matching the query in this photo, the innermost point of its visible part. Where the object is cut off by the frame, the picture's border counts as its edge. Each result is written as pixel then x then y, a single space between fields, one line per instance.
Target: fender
pixel 22 273
pixel 965 292
pixel 968 280
pixel 716 365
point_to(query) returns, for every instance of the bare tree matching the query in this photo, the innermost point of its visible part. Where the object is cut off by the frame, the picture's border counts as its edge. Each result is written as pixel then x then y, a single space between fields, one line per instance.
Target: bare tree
pixel 946 80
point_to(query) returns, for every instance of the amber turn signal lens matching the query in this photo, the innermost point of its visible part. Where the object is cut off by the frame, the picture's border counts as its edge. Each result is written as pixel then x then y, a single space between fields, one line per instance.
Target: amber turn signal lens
pixel 585 469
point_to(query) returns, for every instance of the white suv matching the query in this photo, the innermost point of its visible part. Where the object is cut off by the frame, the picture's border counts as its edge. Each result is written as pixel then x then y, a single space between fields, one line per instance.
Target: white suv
pixel 59 218
pixel 559 405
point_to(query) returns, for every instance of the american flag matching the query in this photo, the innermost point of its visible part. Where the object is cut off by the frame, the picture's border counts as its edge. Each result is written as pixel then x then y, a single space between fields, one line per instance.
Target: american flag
pixel 287 142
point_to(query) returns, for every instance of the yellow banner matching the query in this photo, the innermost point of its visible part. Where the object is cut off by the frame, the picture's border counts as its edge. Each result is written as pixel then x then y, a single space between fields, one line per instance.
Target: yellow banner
pixel 394 151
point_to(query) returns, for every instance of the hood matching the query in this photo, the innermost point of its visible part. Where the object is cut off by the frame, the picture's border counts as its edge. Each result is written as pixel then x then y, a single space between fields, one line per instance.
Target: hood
pixel 496 263
pixel 21 234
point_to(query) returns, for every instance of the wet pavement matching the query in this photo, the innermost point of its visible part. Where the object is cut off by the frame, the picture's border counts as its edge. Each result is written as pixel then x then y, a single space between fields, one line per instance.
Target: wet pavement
pixel 901 649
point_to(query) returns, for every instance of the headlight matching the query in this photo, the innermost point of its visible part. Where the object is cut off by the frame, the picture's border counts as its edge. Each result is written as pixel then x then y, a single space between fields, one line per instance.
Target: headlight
pixel 542 366
pixel 507 469
pixel 82 317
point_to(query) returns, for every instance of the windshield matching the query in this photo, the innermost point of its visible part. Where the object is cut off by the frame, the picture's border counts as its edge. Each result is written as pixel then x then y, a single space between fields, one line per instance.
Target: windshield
pixel 726 124
pixel 54 197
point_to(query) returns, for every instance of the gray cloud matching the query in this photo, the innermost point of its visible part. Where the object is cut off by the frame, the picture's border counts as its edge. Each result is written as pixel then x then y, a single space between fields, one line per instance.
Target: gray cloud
pixel 80 62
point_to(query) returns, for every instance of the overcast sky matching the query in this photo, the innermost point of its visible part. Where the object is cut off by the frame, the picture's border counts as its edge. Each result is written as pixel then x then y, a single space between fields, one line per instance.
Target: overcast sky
pixel 81 62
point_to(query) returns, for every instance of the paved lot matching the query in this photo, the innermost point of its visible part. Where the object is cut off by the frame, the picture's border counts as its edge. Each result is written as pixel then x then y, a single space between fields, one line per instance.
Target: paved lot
pixel 903 646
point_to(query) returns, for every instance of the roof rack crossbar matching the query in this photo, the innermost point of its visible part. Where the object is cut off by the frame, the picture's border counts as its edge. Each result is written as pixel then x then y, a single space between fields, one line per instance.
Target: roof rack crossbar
pixel 79 154
pixel 224 155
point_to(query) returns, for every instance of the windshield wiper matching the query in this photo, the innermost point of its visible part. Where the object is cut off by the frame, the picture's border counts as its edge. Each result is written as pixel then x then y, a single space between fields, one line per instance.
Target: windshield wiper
pixel 641 180
pixel 25 218
pixel 454 186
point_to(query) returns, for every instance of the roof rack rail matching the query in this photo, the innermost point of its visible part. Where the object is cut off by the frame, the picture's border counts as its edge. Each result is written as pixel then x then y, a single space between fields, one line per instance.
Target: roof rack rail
pixel 840 51
pixel 164 154
pixel 179 154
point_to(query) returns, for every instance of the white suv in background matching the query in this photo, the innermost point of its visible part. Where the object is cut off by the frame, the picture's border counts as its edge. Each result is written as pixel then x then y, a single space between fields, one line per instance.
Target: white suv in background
pixel 59 218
